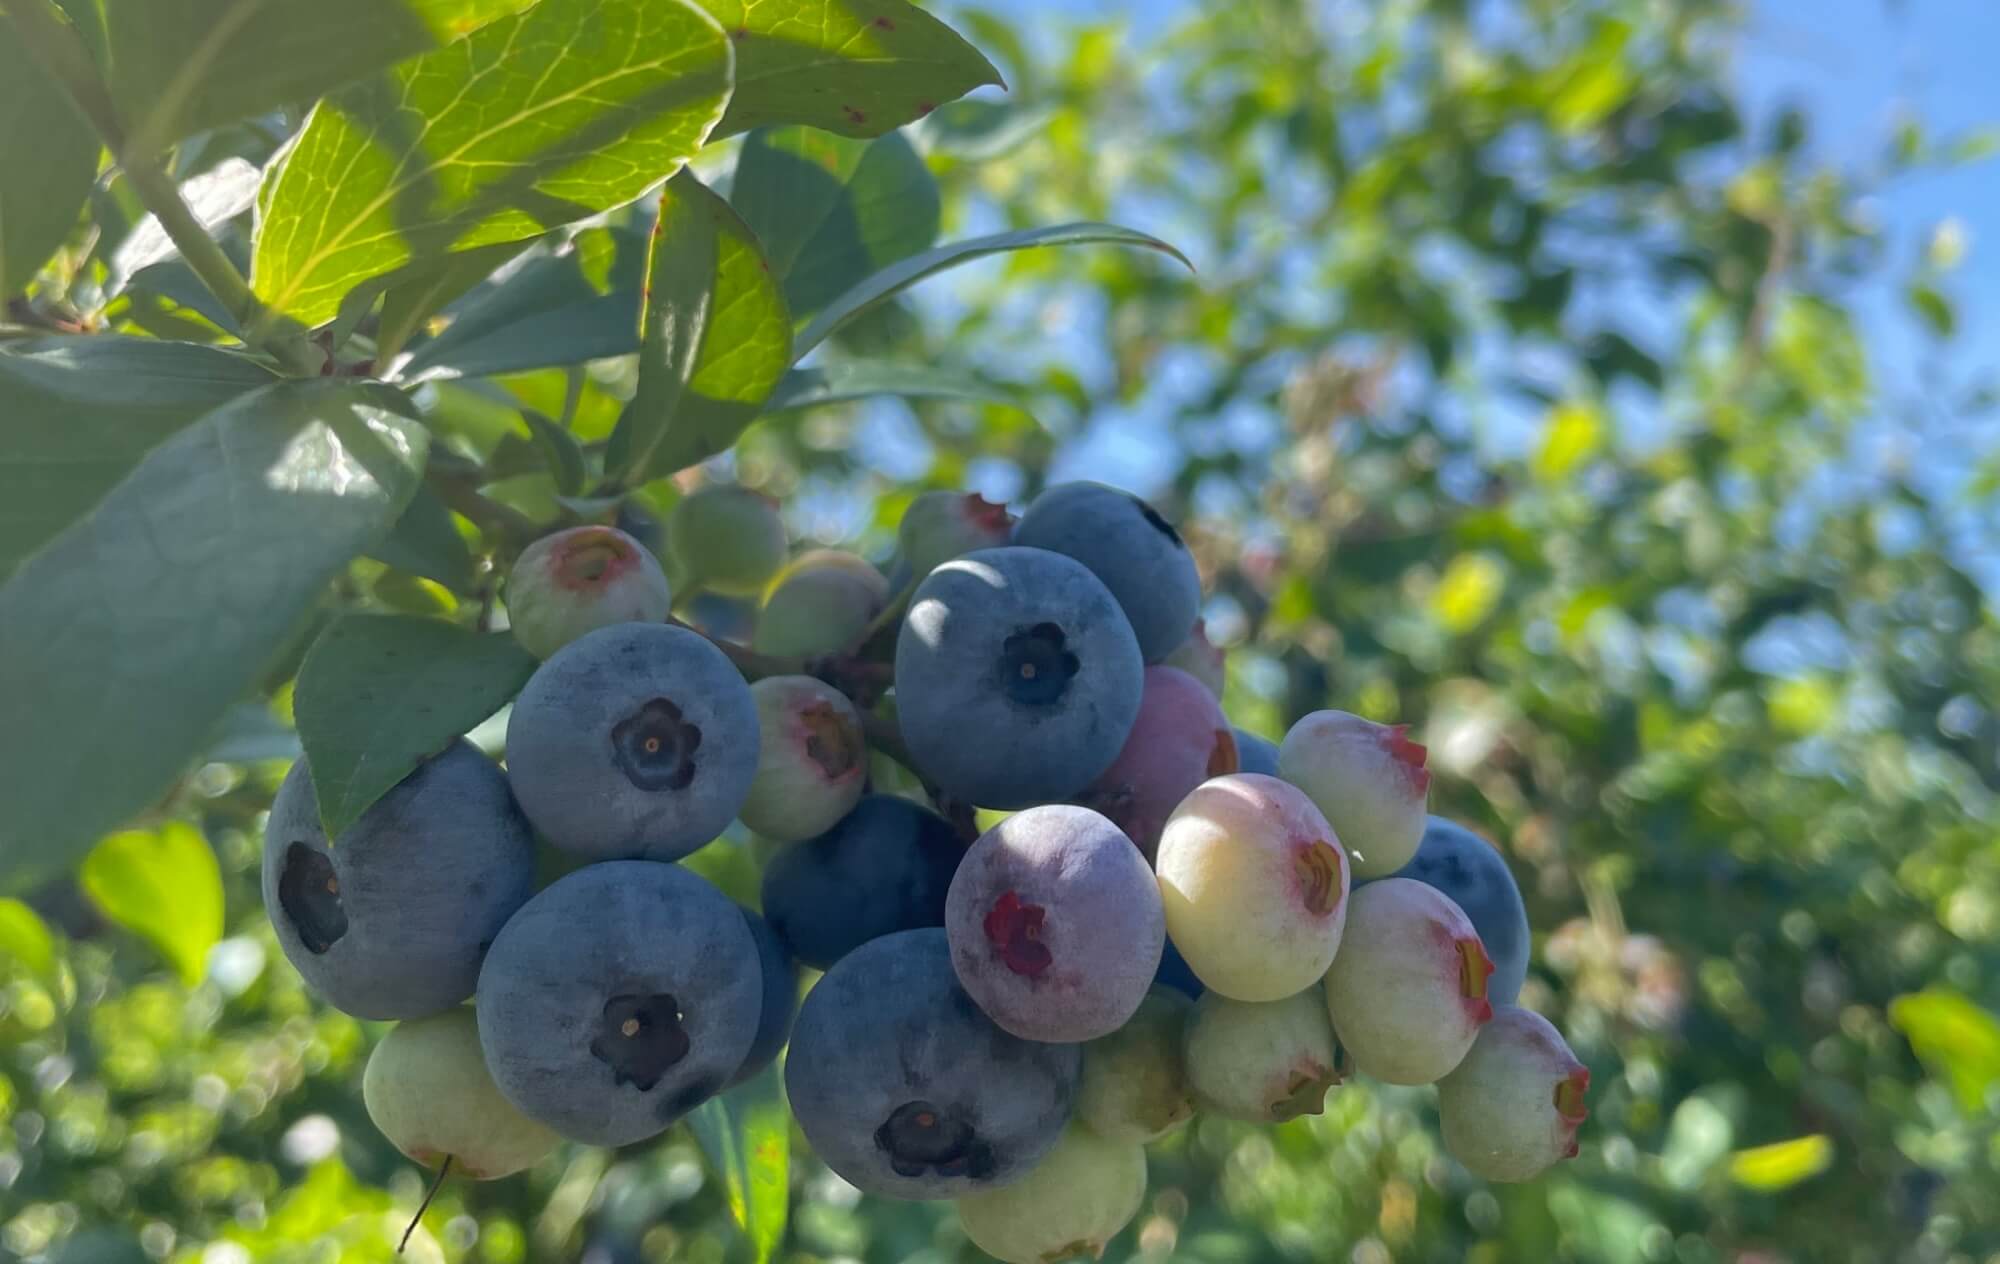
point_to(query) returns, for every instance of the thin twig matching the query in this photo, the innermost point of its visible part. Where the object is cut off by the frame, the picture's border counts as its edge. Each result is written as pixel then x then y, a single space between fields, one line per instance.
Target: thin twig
pixel 444 1170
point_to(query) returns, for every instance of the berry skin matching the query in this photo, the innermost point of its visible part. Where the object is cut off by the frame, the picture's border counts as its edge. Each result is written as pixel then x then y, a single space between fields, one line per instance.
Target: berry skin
pixel 619 999
pixel 1201 659
pixel 1261 1061
pixel 1135 1084
pixel 1256 754
pixel 428 1091
pixel 1174 973
pixel 939 526
pixel 1473 873
pixel 1180 739
pixel 1408 991
pixel 1017 678
pixel 1511 1109
pixel 781 999
pixel 821 604
pixel 1255 887
pixel 638 741
pixel 726 538
pixel 907 1090
pixel 392 920
pixel 1072 1203
pixel 813 761
pixel 1125 543
pixel 1370 781
pixel 1055 924
pixel 580 580
pixel 884 867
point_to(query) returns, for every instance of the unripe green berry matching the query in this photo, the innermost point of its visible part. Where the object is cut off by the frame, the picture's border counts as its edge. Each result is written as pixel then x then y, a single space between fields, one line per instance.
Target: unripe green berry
pixel 821 604
pixel 726 538
pixel 428 1090
pixel 1071 1203
pixel 1135 1086
pixel 939 526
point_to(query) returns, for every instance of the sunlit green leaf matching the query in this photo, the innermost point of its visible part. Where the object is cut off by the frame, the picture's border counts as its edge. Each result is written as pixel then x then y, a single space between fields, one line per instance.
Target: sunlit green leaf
pixel 532 122
pixel 163 885
pixel 845 380
pixel 746 1134
pixel 25 939
pixel 48 158
pixel 1955 1038
pixel 131 633
pixel 1783 1164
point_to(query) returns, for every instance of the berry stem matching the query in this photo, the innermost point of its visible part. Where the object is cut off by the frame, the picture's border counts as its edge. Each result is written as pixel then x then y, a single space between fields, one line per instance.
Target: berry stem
pixel 753 665
pixel 890 616
pixel 437 1183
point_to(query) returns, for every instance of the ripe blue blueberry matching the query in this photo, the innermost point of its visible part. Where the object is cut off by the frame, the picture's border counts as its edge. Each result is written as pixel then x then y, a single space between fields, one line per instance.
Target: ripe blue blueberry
pixel 1128 545
pixel 907 1090
pixel 1017 677
pixel 1474 874
pixel 392 921
pixel 781 999
pixel 1055 924
pixel 636 741
pixel 1256 754
pixel 619 999
pixel 884 867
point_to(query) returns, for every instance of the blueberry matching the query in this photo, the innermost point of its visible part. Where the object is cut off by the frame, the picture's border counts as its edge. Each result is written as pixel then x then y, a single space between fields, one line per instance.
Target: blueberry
pixel 1180 739
pixel 1407 993
pixel 391 922
pixel 884 867
pixel 726 538
pixel 821 604
pixel 1017 678
pixel 1073 1203
pixel 1261 1061
pixel 636 741
pixel 1511 1109
pixel 576 581
pixel 1134 1086
pixel 1256 754
pixel 428 1091
pixel 1128 545
pixel 1055 924
pixel 781 999
pixel 1472 872
pixel 619 999
pixel 939 526
pixel 813 761
pixel 906 1089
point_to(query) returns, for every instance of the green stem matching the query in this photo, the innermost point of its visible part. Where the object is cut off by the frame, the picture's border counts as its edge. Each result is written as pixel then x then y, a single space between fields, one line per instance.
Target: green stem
pixel 54 43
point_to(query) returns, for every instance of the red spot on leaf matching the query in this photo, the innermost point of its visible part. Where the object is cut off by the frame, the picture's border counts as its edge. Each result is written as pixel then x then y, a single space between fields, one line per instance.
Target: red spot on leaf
pixel 925 107
pixel 853 115
pixel 1014 929
pixel 740 33
pixel 884 24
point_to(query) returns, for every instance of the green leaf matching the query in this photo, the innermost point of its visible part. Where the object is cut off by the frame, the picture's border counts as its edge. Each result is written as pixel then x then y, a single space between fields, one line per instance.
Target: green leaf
pixel 568 109
pixel 831 211
pixel 900 276
pixel 165 887
pixel 124 641
pixel 857 67
pixel 746 1134
pixel 1955 1038
pixel 48 153
pixel 379 694
pixel 715 341
pixel 81 412
pixel 846 380
pixel 25 939
pixel 177 67
pixel 577 305
pixel 560 452
pixel 413 295
pixel 425 541
pixel 1782 1164
pixel 1935 308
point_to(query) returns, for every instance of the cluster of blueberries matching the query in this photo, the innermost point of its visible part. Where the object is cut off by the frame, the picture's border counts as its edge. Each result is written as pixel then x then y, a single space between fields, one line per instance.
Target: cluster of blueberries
pixel 1167 914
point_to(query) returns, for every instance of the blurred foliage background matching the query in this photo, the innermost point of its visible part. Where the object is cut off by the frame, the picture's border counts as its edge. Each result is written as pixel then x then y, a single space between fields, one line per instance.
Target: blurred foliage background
pixel 1519 396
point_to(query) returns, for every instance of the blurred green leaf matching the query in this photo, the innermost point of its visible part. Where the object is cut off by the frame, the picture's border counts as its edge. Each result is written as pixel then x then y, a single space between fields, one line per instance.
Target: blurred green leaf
pixel 425 541
pixel 81 412
pixel 534 121
pixel 379 694
pixel 163 885
pixel 48 153
pixel 716 338
pixel 560 451
pixel 1955 1038
pixel 1783 1164
pixel 830 211
pixel 856 67
pixel 1935 308
pixel 844 380
pixel 1570 436
pixel 25 939
pixel 746 1134
pixel 177 67
pixel 898 277
pixel 130 634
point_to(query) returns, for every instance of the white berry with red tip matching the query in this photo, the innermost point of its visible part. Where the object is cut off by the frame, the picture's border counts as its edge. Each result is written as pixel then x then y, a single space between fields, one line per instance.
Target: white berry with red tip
pixel 1511 1109
pixel 577 581
pixel 1369 779
pixel 1255 887
pixel 1261 1061
pixel 1407 994
pixel 813 762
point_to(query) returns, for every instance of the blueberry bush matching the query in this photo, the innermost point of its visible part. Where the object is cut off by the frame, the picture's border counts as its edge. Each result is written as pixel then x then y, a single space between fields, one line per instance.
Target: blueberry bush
pixel 1550 661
